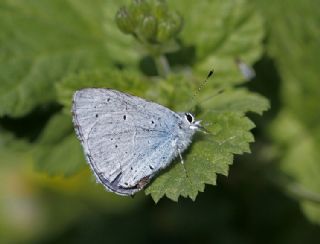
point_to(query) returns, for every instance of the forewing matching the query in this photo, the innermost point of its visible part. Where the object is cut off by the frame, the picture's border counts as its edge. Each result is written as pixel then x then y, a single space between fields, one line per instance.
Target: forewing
pixel 126 139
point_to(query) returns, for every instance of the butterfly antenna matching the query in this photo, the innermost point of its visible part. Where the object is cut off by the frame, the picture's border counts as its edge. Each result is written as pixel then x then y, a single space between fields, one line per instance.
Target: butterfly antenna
pixel 193 99
pixel 218 92
pixel 207 99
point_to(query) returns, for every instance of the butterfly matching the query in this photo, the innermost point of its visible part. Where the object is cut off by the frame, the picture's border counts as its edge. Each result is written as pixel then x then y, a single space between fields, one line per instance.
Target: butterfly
pixel 127 140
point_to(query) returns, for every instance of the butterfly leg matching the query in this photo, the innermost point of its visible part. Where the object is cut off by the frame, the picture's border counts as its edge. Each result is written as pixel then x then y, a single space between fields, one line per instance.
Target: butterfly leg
pixel 184 169
pixel 180 156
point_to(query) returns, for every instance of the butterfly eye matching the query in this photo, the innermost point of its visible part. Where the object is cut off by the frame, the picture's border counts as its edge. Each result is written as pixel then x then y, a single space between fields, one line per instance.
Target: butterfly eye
pixel 189 117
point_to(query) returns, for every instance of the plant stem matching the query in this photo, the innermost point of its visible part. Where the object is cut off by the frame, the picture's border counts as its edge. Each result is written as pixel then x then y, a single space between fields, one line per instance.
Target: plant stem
pixel 162 65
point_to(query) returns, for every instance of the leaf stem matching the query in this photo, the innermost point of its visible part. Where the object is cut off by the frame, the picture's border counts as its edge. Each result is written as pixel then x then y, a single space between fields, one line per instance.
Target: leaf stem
pixel 302 193
pixel 162 65
pixel 296 190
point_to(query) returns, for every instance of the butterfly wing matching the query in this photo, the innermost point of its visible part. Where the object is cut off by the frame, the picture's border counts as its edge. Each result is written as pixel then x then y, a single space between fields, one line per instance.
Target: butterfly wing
pixel 126 139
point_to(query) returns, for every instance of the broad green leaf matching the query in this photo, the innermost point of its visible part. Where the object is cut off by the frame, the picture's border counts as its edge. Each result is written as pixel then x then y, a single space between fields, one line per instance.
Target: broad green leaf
pixel 209 155
pixel 212 153
pixel 42 41
pixel 180 93
pixel 300 161
pixel 221 31
pixel 238 100
pixel 126 81
pixel 294 45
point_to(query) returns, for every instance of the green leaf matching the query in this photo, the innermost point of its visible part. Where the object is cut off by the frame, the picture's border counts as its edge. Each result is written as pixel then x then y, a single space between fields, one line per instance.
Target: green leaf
pixel 239 100
pixel 42 41
pixel 58 152
pixel 207 156
pixel 212 153
pixel 295 47
pixel 300 161
pixel 294 44
pixel 13 151
pixel 126 81
pixel 180 93
pixel 221 31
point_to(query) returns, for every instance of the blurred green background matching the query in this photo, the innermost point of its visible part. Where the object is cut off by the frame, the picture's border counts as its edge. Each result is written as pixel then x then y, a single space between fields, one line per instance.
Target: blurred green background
pixel 49 48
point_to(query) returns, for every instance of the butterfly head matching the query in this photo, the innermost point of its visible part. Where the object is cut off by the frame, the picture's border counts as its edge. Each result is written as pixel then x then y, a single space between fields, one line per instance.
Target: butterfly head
pixel 193 124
